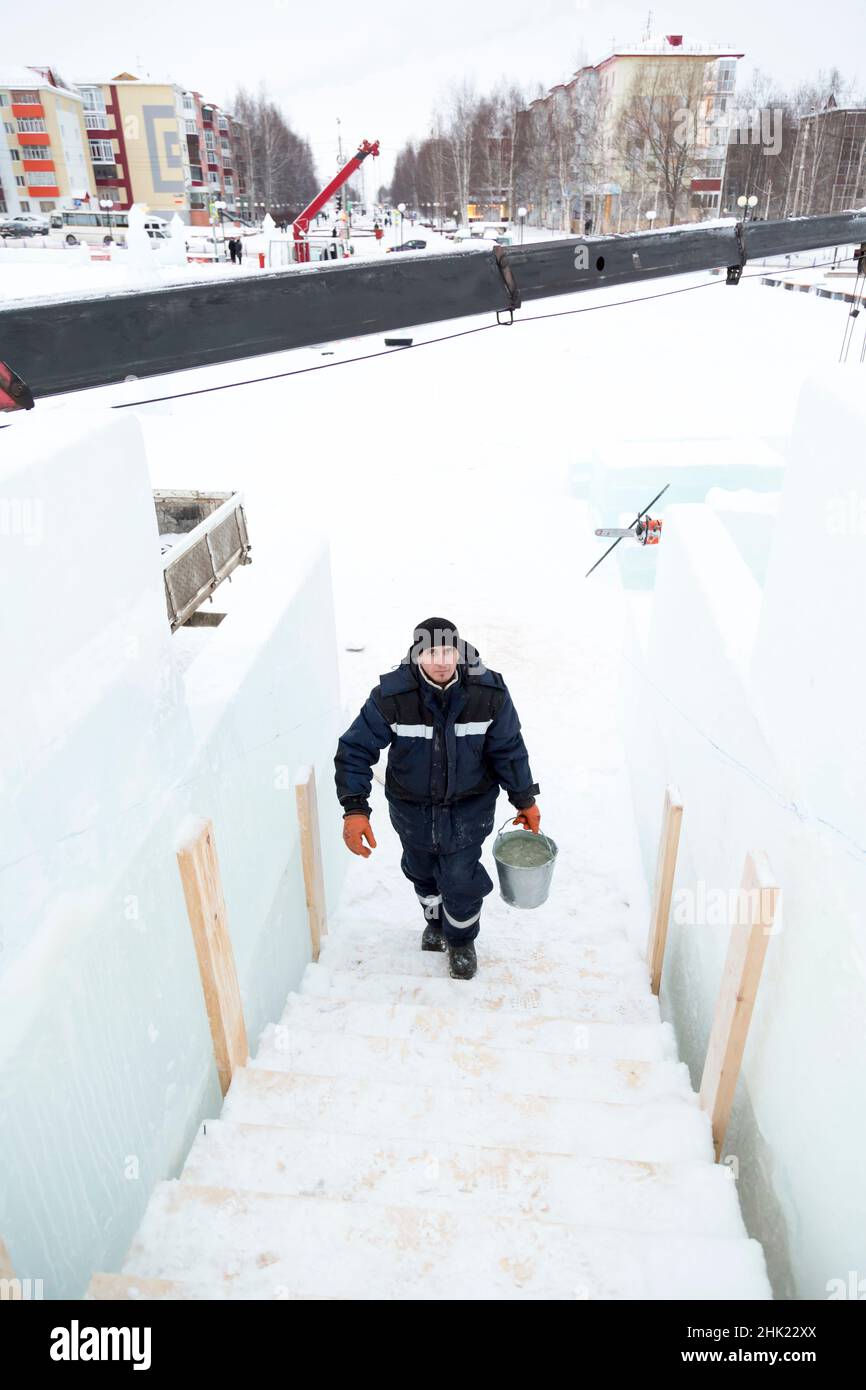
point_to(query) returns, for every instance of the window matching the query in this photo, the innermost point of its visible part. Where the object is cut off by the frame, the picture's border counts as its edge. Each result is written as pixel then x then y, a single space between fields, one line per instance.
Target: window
pixel 24 205
pixel 93 98
pixel 37 152
pixel 209 141
pixel 102 151
pixel 4 100
pixel 25 98
pixel 39 178
pixel 96 120
pixel 19 179
pixel 188 103
pixel 29 126
pixel 191 127
pixel 226 148
pixel 9 127
pixel 223 123
pixel 46 206
pixel 15 154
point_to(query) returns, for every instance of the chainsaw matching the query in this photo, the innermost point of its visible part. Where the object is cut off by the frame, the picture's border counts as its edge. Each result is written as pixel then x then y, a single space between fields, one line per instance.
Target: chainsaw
pixel 645 529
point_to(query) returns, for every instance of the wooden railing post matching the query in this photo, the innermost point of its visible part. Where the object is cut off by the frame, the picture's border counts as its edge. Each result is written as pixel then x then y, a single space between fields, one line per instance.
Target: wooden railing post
pixel 206 909
pixel 311 855
pixel 750 934
pixel 669 839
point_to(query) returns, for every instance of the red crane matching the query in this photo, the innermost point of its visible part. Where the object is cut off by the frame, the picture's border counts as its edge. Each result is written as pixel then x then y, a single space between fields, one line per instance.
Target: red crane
pixel 301 224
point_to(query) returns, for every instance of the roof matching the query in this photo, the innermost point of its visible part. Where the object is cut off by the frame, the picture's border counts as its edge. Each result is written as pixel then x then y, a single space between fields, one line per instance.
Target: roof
pixel 22 78
pixel 660 47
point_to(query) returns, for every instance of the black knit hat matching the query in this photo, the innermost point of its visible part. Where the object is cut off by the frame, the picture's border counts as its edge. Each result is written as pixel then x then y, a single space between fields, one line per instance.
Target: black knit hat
pixel 435 632
pixel 441 632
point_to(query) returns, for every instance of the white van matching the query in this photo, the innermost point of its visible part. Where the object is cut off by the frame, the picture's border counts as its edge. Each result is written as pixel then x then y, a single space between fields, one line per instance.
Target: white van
pixel 101 228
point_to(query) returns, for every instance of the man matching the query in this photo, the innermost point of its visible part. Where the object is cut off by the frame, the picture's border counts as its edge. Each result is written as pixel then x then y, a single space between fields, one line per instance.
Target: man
pixel 453 740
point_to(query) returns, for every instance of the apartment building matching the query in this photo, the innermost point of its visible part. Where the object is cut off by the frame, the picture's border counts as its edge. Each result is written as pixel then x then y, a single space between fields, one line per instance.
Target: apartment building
pixel 594 139
pixel 44 160
pixel 828 171
pixel 161 145
pixel 218 169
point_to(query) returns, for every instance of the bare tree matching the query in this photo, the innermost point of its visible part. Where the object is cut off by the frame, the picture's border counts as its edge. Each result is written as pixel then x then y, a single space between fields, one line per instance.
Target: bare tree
pixel 280 162
pixel 656 138
pixel 459 132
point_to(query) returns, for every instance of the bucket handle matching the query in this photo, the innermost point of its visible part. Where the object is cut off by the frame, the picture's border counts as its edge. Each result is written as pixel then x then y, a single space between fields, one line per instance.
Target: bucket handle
pixel 540 833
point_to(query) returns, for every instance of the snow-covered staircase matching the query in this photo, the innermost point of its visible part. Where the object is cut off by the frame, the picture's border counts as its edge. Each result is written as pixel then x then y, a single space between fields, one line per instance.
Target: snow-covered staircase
pixel 528 1134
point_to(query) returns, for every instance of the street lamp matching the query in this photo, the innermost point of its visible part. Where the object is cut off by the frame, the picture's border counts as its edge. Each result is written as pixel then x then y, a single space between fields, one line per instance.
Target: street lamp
pixel 651 217
pixel 521 217
pixel 745 203
pixel 401 208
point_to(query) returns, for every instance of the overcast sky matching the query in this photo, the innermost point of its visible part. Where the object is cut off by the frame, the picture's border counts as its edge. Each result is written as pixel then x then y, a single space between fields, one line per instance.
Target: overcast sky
pixel 382 66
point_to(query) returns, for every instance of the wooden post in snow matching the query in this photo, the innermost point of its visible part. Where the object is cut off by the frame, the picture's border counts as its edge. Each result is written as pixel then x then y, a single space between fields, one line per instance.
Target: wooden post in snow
pixel 6 1270
pixel 672 815
pixel 206 909
pixel 311 855
pixel 750 935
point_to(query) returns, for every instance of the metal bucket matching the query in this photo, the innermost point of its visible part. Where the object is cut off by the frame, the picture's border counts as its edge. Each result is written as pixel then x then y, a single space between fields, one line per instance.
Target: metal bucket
pixel 524 885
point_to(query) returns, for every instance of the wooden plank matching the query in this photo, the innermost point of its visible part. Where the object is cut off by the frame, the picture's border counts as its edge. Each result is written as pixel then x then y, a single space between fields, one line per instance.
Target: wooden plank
pixel 205 905
pixel 311 855
pixel 750 935
pixel 669 839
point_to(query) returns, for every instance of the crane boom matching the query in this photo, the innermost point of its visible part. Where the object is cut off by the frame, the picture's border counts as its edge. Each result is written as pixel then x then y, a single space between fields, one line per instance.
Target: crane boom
pixel 301 224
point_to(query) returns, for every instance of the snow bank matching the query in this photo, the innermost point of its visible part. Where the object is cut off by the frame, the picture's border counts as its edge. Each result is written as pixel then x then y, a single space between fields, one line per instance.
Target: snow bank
pixel 118 738
pixel 751 701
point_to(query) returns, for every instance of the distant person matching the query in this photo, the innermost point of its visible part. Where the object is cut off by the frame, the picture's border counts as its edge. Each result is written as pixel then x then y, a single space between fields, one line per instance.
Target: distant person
pixel 377 232
pixel 233 250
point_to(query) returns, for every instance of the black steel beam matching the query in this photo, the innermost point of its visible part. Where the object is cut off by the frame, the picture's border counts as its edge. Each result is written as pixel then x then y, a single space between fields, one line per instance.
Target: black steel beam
pixel 67 345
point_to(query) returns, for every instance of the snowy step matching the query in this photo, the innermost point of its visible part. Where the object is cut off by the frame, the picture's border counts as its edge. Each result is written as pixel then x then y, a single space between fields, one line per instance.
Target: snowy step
pixel 648 1042
pixel 495 965
pixel 413 1062
pixel 690 1198
pixel 530 949
pixel 259 1244
pixel 126 1287
pixel 666 1131
pixel 583 1005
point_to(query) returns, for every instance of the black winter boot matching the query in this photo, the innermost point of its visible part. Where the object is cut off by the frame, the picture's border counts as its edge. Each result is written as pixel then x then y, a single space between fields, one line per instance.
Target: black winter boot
pixel 432 938
pixel 462 961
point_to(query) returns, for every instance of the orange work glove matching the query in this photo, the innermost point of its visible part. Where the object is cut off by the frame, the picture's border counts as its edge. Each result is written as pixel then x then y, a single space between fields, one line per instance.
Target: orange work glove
pixel 356 829
pixel 529 818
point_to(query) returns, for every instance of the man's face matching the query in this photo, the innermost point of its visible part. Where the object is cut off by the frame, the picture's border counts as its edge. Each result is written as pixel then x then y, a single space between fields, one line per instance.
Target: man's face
pixel 439 663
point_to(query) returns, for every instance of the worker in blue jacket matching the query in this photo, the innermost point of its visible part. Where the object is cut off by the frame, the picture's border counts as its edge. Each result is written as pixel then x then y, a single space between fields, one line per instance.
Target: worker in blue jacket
pixel 453 739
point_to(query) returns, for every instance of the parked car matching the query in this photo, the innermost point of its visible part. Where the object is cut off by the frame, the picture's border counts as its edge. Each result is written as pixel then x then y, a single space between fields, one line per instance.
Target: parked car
pixel 10 228
pixel 38 225
pixel 415 245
